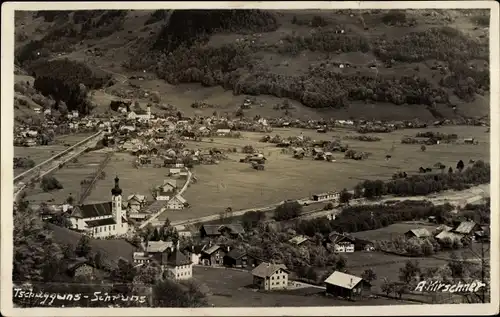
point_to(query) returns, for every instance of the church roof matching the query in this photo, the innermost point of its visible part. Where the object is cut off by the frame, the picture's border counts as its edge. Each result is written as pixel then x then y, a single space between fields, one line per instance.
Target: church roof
pixel 92 210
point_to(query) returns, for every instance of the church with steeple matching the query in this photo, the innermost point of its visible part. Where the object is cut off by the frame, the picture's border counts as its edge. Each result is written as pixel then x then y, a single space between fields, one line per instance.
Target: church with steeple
pixel 102 219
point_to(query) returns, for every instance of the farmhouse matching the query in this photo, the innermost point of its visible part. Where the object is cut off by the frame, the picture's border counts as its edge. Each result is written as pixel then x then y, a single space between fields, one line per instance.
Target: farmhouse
pixel 177 202
pixel 240 259
pixel 343 247
pixel 81 267
pixel 326 196
pixel 164 191
pixel 345 285
pixel 448 235
pixel 177 264
pixel 418 233
pixel 213 231
pixel 269 276
pixel 213 255
pixel 135 203
pixel 467 228
pixel 102 219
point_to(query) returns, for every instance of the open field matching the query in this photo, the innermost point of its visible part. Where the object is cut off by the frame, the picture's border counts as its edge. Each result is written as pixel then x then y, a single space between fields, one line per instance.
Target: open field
pixel 387 233
pixel 70 177
pixel 41 153
pixel 228 288
pixel 237 185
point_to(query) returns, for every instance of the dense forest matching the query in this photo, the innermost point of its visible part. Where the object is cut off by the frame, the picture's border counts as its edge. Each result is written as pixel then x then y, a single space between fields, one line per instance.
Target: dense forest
pixel 67 82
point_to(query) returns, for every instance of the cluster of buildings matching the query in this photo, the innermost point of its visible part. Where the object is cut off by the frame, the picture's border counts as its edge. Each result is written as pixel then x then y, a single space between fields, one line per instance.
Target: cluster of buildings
pixel 466 230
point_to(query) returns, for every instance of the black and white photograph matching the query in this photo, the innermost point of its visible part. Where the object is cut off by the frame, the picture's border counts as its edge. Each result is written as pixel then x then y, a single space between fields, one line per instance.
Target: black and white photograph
pixel 250 158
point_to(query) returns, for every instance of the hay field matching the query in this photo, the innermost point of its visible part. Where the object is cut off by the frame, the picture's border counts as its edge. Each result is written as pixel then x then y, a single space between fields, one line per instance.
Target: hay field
pixel 43 152
pixel 237 185
pixel 70 177
pixel 228 288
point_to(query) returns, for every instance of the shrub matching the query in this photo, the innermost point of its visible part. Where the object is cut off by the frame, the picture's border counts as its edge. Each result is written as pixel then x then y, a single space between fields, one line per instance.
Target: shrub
pixel 50 183
pixel 23 162
pixel 287 210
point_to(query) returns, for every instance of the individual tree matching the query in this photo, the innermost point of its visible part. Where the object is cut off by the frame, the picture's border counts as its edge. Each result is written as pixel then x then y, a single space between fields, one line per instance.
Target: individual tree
pixel 369 275
pixel 450 170
pixel 387 287
pixel 50 183
pixel 167 293
pixel 423 148
pixel 460 165
pixel 409 272
pixel 83 248
pixel 345 196
pixel 287 210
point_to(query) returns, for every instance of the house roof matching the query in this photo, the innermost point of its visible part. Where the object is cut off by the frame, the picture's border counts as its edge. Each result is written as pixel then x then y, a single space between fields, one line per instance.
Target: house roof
pixel 156 206
pixel 298 240
pixel 212 249
pixel 444 228
pixel 450 235
pixel 420 232
pixel 158 246
pixel 92 210
pixel 343 280
pixel 177 258
pixel 179 198
pixel 136 197
pixel 212 230
pixel 100 222
pixel 338 237
pixel 169 182
pixel 465 227
pixel 267 269
pixel 236 254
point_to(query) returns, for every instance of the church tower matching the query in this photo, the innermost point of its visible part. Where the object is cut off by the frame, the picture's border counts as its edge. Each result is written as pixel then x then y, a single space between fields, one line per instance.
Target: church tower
pixel 116 204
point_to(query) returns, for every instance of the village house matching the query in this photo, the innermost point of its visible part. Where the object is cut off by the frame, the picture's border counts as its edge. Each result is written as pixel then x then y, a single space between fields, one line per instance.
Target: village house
pixel 343 247
pixel 213 231
pixel 135 203
pixel 101 219
pixel 326 196
pixel 37 110
pixel 449 236
pixel 347 286
pixel 467 229
pixel 82 268
pixel 166 190
pixel 194 252
pixel 213 255
pixel 269 276
pixel 142 257
pixel 420 233
pixel 176 264
pixel 176 203
pixel 240 259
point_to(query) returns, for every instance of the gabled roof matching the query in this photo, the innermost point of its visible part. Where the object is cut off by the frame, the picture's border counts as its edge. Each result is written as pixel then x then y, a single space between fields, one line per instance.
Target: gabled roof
pixel 298 240
pixel 158 246
pixel 450 235
pixel 179 198
pixel 212 249
pixel 176 258
pixel 156 206
pixel 420 232
pixel 267 269
pixel 92 210
pixel 136 197
pixel 170 183
pixel 343 280
pixel 338 237
pixel 236 254
pixel 465 227
pixel 444 228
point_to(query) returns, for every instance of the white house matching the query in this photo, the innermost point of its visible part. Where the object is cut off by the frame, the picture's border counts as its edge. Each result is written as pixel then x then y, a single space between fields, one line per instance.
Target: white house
pixel 177 264
pixel 269 276
pixel 37 110
pixel 344 247
pixel 102 219
pixel 223 132
pixel 177 202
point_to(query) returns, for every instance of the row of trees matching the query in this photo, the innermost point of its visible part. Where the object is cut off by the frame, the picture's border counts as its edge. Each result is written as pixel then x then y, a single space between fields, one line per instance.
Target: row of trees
pixel 370 217
pixel 424 184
